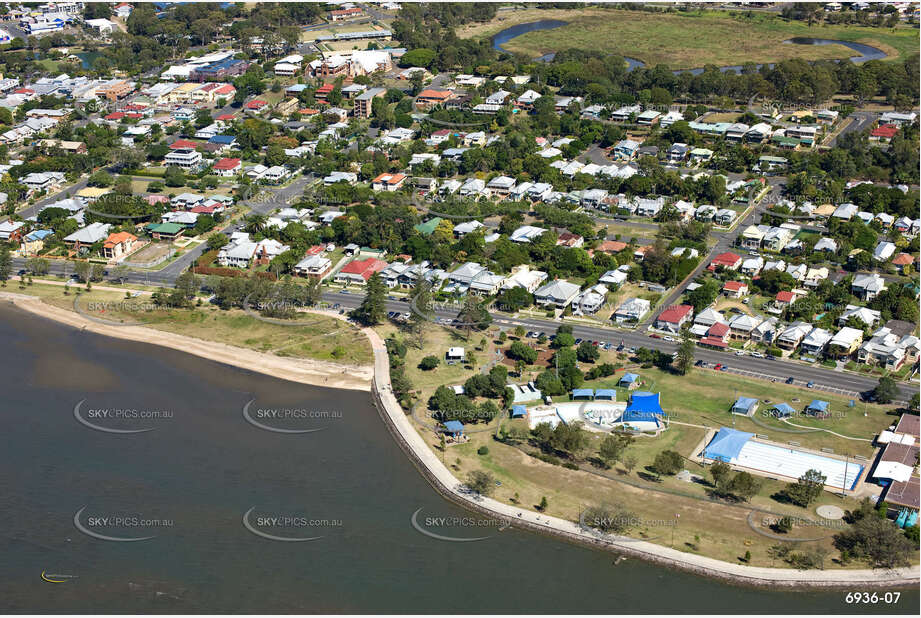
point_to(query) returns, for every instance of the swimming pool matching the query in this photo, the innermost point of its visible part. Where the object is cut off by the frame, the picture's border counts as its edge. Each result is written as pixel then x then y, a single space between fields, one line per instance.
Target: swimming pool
pixel 793 464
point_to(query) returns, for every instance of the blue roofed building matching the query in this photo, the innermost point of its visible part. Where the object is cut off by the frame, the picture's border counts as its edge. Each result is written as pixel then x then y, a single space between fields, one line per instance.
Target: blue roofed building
pixel 629 381
pixel 782 410
pixel 608 394
pixel 726 444
pixel 583 393
pixel 745 406
pixel 817 408
pixel 519 412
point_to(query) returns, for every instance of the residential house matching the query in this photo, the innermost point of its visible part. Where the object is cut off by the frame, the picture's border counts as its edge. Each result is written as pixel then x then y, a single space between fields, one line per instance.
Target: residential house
pixel 589 301
pixel 793 335
pixel 118 244
pixel 867 287
pixel 559 293
pixel 735 289
pixel 357 272
pixel 814 343
pixel 845 342
pixel 388 182
pixel 631 310
pixel 674 317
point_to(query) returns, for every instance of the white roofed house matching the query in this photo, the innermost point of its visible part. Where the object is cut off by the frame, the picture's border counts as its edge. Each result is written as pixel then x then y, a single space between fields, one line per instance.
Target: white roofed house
pixel 868 317
pixel 670 118
pixel 472 187
pixel 559 293
pixel 886 349
pixel 815 276
pixel 883 251
pixel 313 266
pixel 523 277
pixel 793 335
pixel 646 207
pixel 814 343
pixel 462 229
pixel 590 300
pixel 527 99
pixel 742 325
pixel 867 287
pixel 500 186
pixel 724 216
pixel 826 244
pixel 42 181
pixel 845 342
pixel 526 233
pixel 539 191
pixel 631 310
pixel 486 283
pixel 752 266
pixel 845 211
pixel 613 277
pixel 766 332
pixel 87 236
pixel 520 191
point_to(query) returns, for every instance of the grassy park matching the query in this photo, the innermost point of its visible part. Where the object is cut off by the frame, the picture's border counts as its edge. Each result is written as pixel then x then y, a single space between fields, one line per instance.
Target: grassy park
pixel 696 403
pixel 675 39
pixel 320 338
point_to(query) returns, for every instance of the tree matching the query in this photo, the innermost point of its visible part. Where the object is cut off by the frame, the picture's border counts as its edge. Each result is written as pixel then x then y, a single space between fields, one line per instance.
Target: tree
pixel 587 352
pixel 371 311
pixel 744 486
pixel 720 471
pixel 613 446
pixel 630 462
pixel 481 482
pixel 685 359
pixel 878 541
pixel 474 315
pixel 421 310
pixel 174 176
pixel 543 504
pixel 101 178
pixel 886 390
pixel 806 489
pixel 6 264
pixel 428 363
pixel 37 266
pixel 522 351
pixel 668 463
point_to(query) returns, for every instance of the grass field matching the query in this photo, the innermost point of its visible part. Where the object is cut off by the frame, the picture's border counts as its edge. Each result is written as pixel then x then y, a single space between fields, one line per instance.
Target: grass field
pixel 689 40
pixel 319 338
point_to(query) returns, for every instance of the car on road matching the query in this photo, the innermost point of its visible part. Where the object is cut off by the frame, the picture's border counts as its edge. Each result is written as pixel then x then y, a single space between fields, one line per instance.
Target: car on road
pixel 632 350
pixel 655 336
pixel 810 384
pixel 754 253
pixel 667 338
pixel 336 306
pixel 343 291
pixel 790 380
pixel 740 353
pixel 579 340
pixel 757 355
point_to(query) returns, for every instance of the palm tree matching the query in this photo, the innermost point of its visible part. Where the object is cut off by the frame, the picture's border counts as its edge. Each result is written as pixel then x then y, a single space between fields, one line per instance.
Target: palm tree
pixel 255 222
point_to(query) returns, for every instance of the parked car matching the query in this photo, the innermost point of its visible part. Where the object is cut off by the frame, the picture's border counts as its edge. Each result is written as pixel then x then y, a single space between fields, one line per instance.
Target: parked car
pixel 724 368
pixel 667 338
pixel 790 380
pixel 740 353
pixel 810 384
pixel 655 336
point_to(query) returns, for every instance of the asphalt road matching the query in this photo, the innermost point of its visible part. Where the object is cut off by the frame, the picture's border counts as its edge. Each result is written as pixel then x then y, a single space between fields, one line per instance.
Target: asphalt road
pixel 859 122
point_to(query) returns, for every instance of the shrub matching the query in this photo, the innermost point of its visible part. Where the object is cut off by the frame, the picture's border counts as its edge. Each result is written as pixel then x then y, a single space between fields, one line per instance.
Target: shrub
pixel 483 450
pixel 428 363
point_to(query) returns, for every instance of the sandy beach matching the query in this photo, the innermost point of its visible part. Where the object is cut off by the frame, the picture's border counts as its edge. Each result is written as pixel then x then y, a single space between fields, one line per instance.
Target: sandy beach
pixel 305 371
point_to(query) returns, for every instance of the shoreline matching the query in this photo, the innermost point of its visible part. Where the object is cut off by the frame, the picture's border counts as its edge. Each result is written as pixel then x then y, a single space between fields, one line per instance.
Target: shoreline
pixel 376 380
pixel 305 371
pixel 444 482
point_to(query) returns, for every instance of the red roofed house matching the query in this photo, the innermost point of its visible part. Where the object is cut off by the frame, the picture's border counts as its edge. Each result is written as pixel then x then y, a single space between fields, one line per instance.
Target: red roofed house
pixel 727 260
pixel 429 97
pixel 228 167
pixel 902 260
pixel 157 199
pixel 256 106
pixel 114 116
pixel 315 250
pixel 884 133
pixel 323 91
pixel 673 318
pixel 183 144
pixel 717 336
pixel 568 239
pixel 611 246
pixel 784 299
pixel 340 14
pixel 225 118
pixel 388 182
pixel 735 289
pixel 118 244
pixel 210 209
pixel 357 272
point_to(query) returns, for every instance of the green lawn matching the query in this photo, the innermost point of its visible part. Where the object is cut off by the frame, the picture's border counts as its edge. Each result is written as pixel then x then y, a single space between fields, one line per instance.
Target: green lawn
pixel 693 39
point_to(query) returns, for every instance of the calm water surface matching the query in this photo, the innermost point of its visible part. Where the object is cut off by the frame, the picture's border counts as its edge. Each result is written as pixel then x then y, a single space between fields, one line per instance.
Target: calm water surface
pixel 200 470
